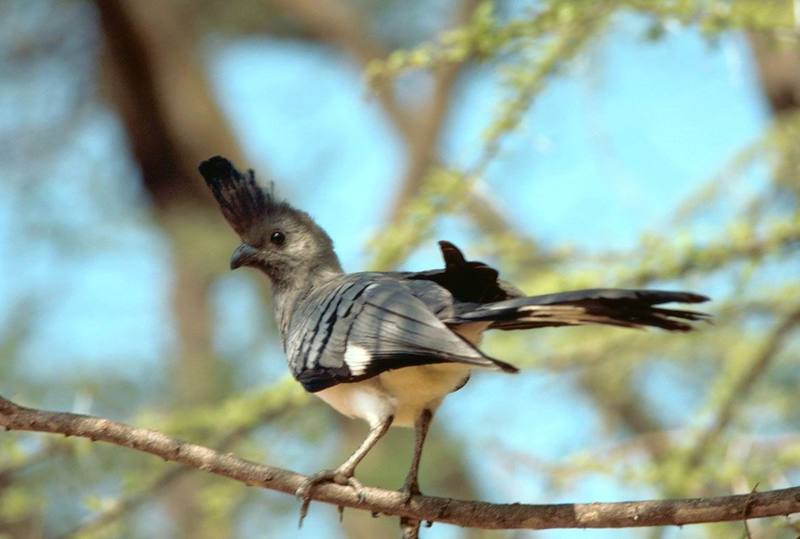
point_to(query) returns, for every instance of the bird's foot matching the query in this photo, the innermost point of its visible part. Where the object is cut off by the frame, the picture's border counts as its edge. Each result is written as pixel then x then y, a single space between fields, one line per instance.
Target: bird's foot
pixel 326 476
pixel 409 490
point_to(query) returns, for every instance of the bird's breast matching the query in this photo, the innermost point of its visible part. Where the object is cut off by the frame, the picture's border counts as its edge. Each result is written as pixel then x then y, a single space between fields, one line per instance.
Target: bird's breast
pixel 403 393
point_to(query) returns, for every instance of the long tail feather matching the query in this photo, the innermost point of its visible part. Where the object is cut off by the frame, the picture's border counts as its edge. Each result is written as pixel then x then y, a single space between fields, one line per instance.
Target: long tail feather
pixel 605 306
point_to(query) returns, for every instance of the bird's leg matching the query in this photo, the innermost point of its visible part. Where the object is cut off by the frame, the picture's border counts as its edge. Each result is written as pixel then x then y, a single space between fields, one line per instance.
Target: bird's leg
pixel 343 475
pixel 421 426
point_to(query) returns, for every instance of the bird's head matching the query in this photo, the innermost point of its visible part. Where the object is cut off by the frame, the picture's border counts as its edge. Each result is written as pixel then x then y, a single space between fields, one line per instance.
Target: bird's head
pixel 283 242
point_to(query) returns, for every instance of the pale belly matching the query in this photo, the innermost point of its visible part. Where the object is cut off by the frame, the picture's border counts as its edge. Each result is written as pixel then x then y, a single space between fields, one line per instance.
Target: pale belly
pixel 403 393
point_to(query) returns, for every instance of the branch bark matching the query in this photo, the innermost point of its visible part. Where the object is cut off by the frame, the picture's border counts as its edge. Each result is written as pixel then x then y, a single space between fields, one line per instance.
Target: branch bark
pixel 424 508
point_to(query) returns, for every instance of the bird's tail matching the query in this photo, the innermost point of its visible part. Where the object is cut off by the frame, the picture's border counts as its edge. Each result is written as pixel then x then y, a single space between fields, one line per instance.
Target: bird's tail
pixel 606 306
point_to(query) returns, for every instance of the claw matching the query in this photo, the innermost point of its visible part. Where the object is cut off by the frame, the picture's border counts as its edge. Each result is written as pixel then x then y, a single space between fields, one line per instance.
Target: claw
pixel 356 485
pixel 304 491
pixel 303 512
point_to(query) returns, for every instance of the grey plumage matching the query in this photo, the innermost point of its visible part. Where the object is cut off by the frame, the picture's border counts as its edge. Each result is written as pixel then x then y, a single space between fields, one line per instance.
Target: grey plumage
pixel 388 347
pixel 383 315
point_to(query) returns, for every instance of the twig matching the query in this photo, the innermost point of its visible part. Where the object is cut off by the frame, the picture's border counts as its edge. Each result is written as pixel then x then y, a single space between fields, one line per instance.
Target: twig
pixel 409 528
pixel 772 345
pixel 126 505
pixel 424 141
pixel 419 127
pixel 7 473
pixel 423 508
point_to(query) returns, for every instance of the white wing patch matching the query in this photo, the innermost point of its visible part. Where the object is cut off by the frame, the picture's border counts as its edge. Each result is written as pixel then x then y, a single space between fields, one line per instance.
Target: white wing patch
pixel 357 358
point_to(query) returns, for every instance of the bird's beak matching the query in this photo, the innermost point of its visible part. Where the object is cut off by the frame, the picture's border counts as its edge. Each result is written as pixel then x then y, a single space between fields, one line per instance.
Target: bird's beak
pixel 243 256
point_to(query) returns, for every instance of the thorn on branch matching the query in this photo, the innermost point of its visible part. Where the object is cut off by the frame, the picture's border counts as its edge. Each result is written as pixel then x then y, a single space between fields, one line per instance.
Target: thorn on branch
pixel 746 509
pixel 444 509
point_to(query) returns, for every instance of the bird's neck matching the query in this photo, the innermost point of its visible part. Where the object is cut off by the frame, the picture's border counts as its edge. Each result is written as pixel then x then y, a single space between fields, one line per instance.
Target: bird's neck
pixel 292 288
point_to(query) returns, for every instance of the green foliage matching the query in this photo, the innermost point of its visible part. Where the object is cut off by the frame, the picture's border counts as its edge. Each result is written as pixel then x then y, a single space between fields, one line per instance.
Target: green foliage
pixel 442 192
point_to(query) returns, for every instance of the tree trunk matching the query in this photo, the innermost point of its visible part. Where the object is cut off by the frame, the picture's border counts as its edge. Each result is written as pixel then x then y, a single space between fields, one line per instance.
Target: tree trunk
pixel 163 99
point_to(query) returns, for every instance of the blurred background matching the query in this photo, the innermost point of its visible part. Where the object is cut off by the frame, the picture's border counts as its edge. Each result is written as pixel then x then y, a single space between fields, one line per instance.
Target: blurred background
pixel 572 144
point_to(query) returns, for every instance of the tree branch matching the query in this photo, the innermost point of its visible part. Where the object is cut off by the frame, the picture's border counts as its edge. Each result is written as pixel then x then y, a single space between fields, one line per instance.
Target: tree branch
pixel 771 347
pixel 131 502
pixel 423 142
pixel 427 508
pixel 151 75
pixel 9 473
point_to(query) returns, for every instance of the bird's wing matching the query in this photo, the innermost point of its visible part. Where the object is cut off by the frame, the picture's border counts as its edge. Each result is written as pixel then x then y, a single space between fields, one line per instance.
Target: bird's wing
pixel 357 327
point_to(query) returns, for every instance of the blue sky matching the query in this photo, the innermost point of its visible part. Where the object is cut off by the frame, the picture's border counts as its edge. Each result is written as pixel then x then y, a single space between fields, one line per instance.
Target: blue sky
pixel 609 149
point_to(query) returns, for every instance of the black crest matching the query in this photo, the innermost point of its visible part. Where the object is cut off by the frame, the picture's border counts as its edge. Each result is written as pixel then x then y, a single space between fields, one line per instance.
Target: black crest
pixel 242 201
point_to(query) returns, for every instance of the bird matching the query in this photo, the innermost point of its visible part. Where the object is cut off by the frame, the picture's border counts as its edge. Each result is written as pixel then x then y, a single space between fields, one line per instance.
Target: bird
pixel 388 347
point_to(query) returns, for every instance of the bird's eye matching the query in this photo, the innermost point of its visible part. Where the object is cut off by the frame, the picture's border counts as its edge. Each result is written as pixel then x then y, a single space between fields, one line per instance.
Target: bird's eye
pixel 277 238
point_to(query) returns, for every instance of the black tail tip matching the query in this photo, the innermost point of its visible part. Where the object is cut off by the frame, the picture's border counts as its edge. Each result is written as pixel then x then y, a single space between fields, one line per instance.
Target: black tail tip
pixel 216 167
pixel 691 297
pixel 506 367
